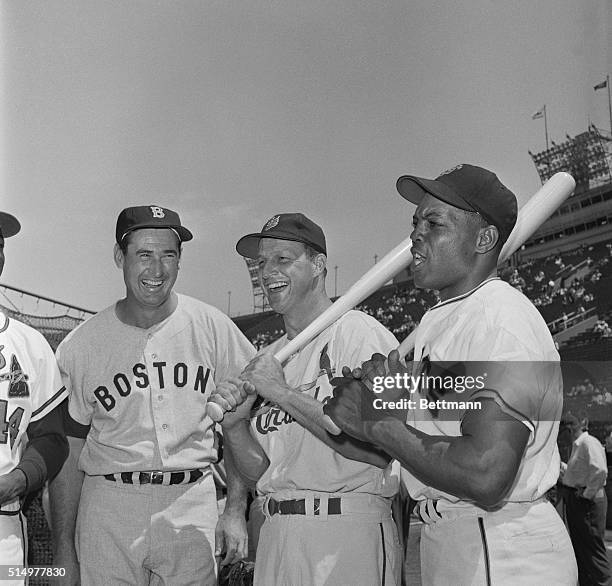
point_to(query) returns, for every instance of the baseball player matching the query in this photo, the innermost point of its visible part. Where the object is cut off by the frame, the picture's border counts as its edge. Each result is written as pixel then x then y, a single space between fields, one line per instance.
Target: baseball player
pixel 33 446
pixel 479 471
pixel 327 516
pixel 139 374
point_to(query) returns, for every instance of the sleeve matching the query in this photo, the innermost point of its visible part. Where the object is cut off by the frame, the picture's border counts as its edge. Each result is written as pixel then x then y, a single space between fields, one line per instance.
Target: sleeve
pixel 46 451
pixel 79 410
pixel 233 350
pixel 519 388
pixel 597 468
pixel 48 391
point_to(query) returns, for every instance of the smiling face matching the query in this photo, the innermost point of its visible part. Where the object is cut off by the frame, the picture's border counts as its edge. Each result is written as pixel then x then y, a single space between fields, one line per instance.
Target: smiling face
pixel 150 266
pixel 287 274
pixel 444 247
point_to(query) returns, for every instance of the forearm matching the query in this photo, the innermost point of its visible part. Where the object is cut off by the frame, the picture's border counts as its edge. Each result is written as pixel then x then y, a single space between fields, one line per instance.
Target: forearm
pixel 249 458
pixel 237 489
pixel 64 496
pixel 596 481
pixel 45 452
pixel 449 464
pixel 308 412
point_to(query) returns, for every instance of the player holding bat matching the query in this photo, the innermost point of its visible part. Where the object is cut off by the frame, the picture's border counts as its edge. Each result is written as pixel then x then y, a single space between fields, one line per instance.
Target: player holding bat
pixel 479 474
pixel 328 516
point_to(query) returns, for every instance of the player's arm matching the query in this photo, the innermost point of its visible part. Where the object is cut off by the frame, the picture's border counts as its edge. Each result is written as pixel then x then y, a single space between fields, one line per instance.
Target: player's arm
pixel 42 458
pixel 232 537
pixel 236 398
pixel 64 496
pixel 479 465
pixel 266 374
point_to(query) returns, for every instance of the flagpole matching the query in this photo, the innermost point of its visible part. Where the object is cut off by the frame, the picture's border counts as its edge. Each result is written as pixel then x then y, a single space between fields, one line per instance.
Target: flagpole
pixel 609 101
pixel 546 126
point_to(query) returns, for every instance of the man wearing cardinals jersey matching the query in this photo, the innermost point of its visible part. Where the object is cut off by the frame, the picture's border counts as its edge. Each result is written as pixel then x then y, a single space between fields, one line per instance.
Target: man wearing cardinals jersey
pixel 33 446
pixel 327 515
pixel 479 468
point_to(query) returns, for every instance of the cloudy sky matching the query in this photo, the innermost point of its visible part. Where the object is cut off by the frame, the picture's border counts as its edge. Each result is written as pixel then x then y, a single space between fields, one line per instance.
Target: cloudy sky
pixel 230 112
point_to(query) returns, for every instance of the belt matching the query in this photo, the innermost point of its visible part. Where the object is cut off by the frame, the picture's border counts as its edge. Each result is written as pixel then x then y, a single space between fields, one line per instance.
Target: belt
pixel 298 507
pixel 156 477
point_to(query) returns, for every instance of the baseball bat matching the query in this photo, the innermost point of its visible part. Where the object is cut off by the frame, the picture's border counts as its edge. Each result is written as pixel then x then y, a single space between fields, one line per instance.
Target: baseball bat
pixel 539 207
pixel 530 217
pixel 371 281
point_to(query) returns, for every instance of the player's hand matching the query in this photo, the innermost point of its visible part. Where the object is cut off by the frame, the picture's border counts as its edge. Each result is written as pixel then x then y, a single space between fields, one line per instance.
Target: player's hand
pixel 235 397
pixel 266 374
pixel 349 407
pixel 376 366
pixel 12 486
pixel 231 537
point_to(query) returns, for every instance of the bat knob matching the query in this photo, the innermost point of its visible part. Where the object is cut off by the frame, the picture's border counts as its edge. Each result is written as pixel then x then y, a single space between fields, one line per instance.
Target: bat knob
pixel 330 426
pixel 215 412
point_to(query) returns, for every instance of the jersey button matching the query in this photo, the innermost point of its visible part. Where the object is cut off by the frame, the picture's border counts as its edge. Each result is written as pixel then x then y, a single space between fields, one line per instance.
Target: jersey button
pixel 153 356
pixel 165 426
pixel 160 397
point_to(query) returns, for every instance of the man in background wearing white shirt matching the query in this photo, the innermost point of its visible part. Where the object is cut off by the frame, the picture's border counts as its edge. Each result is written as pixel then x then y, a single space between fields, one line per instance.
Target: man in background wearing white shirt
pixel 585 475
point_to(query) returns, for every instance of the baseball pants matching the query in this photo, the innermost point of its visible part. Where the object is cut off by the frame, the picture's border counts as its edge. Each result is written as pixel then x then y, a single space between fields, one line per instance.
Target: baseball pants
pixel 522 543
pixel 13 540
pixel 359 547
pixel 141 534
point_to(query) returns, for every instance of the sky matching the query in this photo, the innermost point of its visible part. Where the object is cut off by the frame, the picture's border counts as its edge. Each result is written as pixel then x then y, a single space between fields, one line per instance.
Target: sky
pixel 231 112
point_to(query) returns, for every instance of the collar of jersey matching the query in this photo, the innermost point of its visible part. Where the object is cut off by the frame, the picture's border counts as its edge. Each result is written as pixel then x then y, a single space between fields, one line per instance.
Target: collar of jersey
pixel 464 295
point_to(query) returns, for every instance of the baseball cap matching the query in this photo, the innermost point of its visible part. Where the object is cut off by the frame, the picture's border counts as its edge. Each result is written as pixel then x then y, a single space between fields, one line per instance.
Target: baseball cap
pixel 470 188
pixel 296 227
pixel 9 225
pixel 153 216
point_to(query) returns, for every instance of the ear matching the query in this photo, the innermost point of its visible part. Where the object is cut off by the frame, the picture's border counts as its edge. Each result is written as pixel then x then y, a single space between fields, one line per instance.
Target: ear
pixel 118 253
pixel 487 239
pixel 319 263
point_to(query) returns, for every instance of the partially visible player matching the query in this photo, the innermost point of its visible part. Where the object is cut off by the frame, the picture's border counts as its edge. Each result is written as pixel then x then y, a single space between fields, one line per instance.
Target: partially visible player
pixel 139 375
pixel 479 471
pixel 327 516
pixel 33 446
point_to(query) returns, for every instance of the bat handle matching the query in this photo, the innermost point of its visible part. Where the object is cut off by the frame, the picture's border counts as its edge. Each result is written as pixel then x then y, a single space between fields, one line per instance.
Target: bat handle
pixel 215 412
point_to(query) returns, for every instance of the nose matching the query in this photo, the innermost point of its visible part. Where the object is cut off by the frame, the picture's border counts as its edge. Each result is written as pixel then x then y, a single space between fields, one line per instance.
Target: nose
pixel 268 268
pixel 417 233
pixel 156 267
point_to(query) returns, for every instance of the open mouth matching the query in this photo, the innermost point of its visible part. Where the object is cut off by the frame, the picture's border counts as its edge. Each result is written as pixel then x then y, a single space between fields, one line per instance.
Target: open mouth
pixel 417 258
pixel 277 286
pixel 152 283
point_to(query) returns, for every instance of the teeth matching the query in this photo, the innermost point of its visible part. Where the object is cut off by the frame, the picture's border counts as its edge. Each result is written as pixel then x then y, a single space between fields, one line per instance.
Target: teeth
pixel 151 283
pixel 273 286
pixel 417 258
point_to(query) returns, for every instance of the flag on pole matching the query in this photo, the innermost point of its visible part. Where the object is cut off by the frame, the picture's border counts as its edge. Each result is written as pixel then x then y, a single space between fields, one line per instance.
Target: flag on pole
pixel 601 85
pixel 539 113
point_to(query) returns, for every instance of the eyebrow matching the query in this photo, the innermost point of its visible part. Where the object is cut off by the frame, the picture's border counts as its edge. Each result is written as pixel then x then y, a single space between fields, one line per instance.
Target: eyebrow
pixel 431 214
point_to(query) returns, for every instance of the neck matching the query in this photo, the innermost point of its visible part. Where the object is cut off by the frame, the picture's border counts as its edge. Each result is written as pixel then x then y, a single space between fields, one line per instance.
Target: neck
pixel 467 285
pixel 299 318
pixel 132 314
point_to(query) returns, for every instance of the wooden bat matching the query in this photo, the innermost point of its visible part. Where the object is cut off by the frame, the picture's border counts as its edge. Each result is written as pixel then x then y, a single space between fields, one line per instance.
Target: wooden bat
pixel 541 205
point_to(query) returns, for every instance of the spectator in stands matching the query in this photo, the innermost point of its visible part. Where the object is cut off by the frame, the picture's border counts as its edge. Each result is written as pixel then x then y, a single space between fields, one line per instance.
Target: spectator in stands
pixel 584 477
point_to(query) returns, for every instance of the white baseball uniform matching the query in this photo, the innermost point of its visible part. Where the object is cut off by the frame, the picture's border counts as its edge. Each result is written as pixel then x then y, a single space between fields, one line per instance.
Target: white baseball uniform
pixel 30 387
pixel 144 393
pixel 358 546
pixel 525 541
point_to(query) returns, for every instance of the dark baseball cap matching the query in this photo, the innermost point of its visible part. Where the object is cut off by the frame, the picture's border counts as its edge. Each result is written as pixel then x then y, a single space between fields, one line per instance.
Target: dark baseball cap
pixel 9 225
pixel 152 216
pixel 295 227
pixel 470 188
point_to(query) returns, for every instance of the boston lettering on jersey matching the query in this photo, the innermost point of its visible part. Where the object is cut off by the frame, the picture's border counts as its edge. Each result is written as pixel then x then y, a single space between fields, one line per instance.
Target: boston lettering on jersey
pixel 163 375
pixel 273 419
